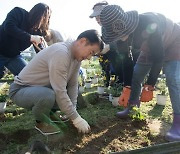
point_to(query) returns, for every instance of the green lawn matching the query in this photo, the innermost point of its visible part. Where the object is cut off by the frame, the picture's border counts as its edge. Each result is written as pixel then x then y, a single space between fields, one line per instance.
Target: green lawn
pixel 17 124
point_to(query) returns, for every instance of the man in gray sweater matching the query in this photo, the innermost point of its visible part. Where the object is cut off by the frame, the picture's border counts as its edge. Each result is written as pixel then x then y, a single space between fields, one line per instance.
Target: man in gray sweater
pixel 51 79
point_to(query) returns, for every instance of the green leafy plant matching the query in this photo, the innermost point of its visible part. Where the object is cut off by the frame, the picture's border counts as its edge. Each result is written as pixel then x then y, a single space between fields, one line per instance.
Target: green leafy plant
pixel 4 88
pixel 92 98
pixel 102 79
pixel 135 114
pixel 98 72
pixel 3 97
pixel 116 88
pixel 81 80
pixel 88 80
pixel 8 76
pixel 92 74
pixel 101 82
pixel 161 86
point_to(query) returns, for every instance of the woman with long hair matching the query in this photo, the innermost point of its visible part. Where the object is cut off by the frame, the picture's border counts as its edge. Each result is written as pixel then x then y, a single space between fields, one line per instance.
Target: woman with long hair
pixel 19 30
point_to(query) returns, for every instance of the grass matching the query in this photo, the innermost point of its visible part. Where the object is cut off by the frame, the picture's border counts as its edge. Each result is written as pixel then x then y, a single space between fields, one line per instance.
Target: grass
pixel 154 111
pixel 17 124
pixel 102 109
pixel 13 123
pixel 18 119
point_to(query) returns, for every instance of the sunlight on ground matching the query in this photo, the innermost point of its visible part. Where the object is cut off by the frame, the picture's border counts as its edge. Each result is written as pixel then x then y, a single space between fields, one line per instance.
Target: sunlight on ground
pixel 158 127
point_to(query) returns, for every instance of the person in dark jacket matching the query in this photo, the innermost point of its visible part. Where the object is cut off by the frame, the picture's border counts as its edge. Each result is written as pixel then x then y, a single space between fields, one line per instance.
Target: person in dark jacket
pixel 123 63
pixel 158 39
pixel 18 31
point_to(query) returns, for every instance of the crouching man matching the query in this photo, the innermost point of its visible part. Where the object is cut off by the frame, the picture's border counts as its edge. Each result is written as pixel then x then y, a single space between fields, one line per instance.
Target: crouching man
pixel 51 79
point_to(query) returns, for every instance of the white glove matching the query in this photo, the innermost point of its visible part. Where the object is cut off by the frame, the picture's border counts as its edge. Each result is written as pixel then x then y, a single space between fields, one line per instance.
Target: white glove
pixel 106 49
pixel 81 124
pixel 36 39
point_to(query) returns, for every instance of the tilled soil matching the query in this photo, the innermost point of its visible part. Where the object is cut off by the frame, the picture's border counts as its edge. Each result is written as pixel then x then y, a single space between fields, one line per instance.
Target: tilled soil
pixel 108 135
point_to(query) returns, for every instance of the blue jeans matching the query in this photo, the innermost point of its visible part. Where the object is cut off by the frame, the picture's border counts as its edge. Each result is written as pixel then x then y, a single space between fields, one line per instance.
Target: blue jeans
pixel 172 72
pixel 14 65
pixel 139 73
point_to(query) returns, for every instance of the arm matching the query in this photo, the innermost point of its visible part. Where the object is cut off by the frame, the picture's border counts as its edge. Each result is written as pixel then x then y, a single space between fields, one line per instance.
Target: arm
pixel 72 87
pixel 15 22
pixel 156 46
pixel 58 73
pixel 154 73
pixel 157 54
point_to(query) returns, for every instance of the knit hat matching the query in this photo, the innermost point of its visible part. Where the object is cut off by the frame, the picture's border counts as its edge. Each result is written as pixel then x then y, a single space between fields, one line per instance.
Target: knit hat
pixel 97 8
pixel 116 23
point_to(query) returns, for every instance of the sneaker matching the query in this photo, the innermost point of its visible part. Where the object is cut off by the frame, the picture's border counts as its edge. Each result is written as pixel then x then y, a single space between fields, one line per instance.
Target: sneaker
pixel 47 129
pixel 59 118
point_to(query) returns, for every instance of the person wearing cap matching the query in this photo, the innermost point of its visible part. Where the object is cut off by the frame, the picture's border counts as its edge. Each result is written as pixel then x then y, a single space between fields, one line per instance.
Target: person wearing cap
pixel 123 64
pixel 158 39
pixel 110 51
pixel 50 79
pixel 97 8
pixel 18 31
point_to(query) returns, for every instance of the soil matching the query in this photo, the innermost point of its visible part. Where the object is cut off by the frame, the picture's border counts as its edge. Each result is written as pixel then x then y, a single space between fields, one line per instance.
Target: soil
pixel 113 135
pixel 108 135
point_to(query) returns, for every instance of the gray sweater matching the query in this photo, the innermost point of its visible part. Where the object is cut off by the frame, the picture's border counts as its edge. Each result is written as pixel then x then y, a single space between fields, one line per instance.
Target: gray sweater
pixel 55 66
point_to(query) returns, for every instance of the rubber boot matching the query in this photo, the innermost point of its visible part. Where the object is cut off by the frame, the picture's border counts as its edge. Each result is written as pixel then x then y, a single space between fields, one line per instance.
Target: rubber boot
pixel 125 113
pixel 174 133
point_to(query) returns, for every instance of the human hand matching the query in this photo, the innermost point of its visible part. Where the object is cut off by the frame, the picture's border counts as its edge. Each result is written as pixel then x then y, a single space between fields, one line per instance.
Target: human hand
pixel 41 45
pixel 36 39
pixel 123 99
pixel 147 93
pixel 81 124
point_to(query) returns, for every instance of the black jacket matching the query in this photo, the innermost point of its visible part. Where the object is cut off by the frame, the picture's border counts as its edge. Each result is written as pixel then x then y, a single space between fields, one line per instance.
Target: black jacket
pixel 15 33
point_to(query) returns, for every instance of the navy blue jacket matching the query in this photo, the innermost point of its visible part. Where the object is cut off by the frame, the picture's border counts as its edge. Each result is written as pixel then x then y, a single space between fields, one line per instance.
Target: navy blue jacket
pixel 15 33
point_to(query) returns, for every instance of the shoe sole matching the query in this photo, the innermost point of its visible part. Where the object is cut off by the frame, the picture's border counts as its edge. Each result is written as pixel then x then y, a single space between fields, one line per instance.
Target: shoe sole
pixel 46 133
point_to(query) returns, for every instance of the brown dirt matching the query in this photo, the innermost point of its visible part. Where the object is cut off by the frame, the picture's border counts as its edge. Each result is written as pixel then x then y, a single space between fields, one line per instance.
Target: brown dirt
pixel 109 135
pixel 114 135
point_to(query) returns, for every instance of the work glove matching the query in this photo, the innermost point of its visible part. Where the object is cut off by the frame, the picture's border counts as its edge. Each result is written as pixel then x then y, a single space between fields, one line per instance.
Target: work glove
pixel 147 93
pixel 123 99
pixel 36 39
pixel 81 125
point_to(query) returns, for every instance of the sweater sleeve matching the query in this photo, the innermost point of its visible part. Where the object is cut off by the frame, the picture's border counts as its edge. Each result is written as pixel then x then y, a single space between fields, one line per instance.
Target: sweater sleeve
pixel 154 73
pixel 153 25
pixel 15 19
pixel 156 46
pixel 72 86
pixel 58 74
